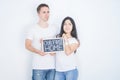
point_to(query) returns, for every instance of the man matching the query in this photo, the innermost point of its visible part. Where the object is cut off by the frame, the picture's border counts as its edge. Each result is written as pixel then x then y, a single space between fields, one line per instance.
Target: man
pixel 43 63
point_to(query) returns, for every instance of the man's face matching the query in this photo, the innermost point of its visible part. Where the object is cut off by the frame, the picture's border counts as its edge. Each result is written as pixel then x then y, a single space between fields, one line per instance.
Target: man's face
pixel 44 13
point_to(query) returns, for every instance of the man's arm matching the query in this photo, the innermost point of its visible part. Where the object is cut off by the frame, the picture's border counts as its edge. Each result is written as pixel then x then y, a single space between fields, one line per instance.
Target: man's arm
pixel 28 45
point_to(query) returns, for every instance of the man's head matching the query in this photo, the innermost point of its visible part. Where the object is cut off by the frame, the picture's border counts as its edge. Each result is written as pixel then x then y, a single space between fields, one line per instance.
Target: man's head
pixel 43 12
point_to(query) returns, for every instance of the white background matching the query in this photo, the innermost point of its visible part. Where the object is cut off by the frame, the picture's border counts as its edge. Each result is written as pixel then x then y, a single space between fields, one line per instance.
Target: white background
pixel 98 25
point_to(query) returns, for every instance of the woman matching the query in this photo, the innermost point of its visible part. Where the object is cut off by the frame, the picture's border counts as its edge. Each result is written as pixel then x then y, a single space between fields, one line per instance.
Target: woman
pixel 66 66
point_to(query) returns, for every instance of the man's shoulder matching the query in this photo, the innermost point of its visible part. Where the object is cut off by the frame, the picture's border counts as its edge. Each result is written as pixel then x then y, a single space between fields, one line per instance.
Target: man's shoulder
pixel 33 26
pixel 53 26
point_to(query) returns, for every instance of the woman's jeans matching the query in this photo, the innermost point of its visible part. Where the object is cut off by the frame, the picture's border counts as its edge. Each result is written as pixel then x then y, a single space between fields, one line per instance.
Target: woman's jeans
pixel 43 74
pixel 67 75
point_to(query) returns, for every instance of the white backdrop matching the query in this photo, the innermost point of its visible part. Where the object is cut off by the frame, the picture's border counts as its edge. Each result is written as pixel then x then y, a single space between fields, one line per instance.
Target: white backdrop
pixel 98 25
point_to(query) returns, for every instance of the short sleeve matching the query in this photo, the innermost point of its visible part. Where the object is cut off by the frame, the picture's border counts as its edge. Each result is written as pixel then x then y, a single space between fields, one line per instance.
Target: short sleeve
pixel 29 34
pixel 73 40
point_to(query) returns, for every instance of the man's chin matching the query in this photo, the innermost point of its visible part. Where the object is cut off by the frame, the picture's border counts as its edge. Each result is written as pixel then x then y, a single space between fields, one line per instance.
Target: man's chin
pixel 46 20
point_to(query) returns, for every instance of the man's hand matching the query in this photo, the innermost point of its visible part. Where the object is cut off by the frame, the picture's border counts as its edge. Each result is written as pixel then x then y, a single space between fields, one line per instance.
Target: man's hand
pixel 41 40
pixel 41 53
pixel 52 54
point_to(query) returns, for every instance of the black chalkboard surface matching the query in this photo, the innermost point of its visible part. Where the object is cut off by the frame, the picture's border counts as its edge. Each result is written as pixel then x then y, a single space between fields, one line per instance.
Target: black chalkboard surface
pixel 53 45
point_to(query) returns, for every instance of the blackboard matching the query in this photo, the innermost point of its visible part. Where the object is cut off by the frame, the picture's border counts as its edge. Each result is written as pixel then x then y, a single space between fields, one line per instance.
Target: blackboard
pixel 53 45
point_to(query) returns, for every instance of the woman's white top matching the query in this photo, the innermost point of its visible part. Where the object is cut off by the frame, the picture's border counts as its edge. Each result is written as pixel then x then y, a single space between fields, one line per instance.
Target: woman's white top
pixel 64 62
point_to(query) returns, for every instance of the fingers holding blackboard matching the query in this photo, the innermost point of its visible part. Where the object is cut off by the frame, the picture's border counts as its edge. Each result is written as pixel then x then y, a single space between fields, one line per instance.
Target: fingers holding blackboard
pixel 52 54
pixel 41 40
pixel 42 53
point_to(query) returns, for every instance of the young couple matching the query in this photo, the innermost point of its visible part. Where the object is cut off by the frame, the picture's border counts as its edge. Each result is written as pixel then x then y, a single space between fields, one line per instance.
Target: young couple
pixel 59 66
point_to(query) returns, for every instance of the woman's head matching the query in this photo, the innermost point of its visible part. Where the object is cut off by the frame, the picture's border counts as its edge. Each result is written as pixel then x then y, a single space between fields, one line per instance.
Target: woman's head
pixel 68 27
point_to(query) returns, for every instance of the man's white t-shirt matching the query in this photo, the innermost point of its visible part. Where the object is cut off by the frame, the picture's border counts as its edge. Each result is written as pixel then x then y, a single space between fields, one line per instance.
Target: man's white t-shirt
pixel 35 34
pixel 64 62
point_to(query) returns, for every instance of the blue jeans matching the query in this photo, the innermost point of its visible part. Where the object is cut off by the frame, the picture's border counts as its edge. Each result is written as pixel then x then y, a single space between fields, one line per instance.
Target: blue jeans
pixel 43 74
pixel 67 75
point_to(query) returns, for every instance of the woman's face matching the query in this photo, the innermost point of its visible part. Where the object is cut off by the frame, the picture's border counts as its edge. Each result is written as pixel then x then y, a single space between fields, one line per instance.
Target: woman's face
pixel 67 27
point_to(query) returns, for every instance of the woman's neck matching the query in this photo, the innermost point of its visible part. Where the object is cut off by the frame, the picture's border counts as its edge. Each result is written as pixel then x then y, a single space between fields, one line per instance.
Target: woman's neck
pixel 68 35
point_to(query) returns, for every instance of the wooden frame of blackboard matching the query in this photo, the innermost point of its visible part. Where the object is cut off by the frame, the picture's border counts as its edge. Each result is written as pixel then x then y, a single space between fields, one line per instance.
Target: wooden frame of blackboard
pixel 48 42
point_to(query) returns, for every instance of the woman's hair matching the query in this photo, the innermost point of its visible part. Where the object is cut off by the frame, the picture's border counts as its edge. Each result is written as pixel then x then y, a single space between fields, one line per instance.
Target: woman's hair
pixel 73 32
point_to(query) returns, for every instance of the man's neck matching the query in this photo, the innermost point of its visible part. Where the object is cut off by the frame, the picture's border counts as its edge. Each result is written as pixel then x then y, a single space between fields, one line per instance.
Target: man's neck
pixel 43 24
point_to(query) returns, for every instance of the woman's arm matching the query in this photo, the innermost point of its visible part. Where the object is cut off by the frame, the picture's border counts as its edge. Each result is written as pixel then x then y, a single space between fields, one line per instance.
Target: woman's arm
pixel 70 48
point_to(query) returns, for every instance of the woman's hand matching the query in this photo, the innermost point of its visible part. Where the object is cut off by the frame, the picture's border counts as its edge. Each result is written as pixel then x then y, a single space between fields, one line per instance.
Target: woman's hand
pixel 64 36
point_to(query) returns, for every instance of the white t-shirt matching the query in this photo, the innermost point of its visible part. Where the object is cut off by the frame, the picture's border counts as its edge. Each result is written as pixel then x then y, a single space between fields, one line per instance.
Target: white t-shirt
pixel 35 34
pixel 64 62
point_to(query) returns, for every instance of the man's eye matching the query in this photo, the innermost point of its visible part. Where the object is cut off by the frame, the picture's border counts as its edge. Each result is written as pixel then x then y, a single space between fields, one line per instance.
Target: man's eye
pixel 48 12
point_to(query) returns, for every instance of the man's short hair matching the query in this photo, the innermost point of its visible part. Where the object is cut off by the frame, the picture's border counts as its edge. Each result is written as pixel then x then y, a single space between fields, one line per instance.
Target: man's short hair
pixel 40 6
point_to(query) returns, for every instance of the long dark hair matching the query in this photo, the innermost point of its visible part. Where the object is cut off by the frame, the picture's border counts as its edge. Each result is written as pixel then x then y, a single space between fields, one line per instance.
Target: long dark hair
pixel 73 32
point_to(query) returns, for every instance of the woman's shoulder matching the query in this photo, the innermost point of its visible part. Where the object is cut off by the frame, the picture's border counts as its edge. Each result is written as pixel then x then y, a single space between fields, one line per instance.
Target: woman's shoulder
pixel 73 40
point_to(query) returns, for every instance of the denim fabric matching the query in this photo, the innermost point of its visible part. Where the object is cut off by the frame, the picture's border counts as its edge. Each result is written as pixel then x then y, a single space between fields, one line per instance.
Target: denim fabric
pixel 67 75
pixel 43 74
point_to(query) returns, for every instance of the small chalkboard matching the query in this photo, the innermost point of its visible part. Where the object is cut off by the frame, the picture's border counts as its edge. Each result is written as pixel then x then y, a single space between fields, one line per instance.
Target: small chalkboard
pixel 53 45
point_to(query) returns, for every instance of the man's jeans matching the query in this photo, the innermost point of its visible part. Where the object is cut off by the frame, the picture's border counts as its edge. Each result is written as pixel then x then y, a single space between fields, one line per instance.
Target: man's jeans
pixel 43 74
pixel 67 75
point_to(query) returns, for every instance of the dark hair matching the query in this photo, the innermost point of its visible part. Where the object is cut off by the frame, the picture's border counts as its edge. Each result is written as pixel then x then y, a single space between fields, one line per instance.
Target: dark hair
pixel 74 31
pixel 40 6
